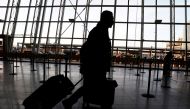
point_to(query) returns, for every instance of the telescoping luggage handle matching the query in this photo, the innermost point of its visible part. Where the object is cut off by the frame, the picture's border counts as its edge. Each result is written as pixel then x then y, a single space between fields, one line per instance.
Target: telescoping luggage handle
pixel 78 81
pixel 66 65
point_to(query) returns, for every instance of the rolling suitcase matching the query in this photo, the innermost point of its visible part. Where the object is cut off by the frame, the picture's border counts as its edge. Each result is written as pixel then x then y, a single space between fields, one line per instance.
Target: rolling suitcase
pixel 103 96
pixel 50 93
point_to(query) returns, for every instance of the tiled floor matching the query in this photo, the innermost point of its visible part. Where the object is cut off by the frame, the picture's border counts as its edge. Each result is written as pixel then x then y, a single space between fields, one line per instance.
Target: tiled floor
pixel 128 95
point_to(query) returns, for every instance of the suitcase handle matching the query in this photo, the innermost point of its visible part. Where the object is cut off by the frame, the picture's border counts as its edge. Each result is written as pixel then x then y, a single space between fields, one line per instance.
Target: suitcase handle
pixel 78 81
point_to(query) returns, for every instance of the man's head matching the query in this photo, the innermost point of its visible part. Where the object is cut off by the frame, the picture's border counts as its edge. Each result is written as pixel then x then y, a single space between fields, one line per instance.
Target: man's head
pixel 106 18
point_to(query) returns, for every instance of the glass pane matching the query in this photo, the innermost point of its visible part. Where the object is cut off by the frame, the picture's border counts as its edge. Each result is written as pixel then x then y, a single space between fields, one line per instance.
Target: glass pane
pixel 188 15
pixel 43 40
pixel 28 31
pixel 19 28
pixel 179 15
pixel 2 13
pixel 188 47
pixel 34 2
pixel 81 2
pixel 188 33
pixel 119 43
pixel 163 2
pixel 108 2
pixel 136 44
pixel 163 32
pixel 188 2
pixel 24 2
pixel 32 14
pixel 164 14
pixel 80 14
pixel 94 14
pixel 1 27
pixel 77 42
pixel 22 14
pixel 52 41
pixel 10 15
pixel 72 2
pixel 45 30
pixel 149 31
pixel 69 13
pixel 95 2
pixel 79 29
pixel 8 28
pixel 28 40
pixel 122 2
pixel 134 14
pixel 49 2
pixel 67 29
pixel 3 3
pixel 65 41
pixel 135 2
pixel 120 31
pixel 179 32
pixel 149 14
pixel 121 14
pixel 161 45
pixel 149 45
pixel 47 14
pixel 109 9
pixel 179 2
pixel 57 2
pixel 130 44
pixel 134 31
pixel 16 41
pixel 55 14
pixel 149 2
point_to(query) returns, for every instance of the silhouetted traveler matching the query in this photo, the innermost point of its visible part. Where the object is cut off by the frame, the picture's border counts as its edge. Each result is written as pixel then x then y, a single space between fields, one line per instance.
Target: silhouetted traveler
pixel 167 69
pixel 95 59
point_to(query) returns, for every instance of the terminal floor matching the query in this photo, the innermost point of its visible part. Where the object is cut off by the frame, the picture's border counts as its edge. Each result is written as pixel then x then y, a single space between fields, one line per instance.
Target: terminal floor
pixel 128 95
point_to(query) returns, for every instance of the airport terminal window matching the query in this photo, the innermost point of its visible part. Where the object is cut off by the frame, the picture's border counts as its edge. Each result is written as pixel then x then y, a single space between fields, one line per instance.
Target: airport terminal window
pixel 139 24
